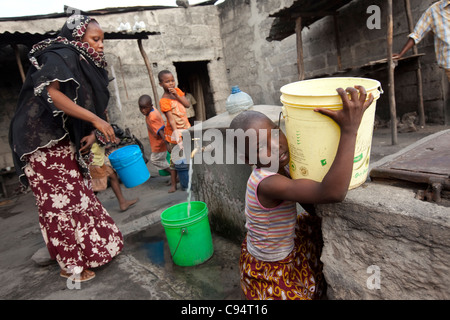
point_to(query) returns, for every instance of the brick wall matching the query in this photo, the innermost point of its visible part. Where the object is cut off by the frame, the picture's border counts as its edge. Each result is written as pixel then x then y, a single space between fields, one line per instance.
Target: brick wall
pixel 261 67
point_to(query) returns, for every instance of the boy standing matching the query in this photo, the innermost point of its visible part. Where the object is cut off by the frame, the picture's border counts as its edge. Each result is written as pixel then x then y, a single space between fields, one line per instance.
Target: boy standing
pixel 155 128
pixel 173 103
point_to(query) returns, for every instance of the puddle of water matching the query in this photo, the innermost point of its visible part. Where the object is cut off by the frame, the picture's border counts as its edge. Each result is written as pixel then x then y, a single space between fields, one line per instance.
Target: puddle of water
pixel 215 279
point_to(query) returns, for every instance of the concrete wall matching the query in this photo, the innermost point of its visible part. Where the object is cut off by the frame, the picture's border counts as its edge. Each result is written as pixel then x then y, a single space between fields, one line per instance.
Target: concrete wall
pixel 232 38
pixel 381 243
pixel 261 67
pixel 186 35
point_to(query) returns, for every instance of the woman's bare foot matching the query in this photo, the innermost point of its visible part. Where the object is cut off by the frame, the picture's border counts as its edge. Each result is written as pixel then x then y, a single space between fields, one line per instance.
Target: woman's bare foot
pixel 127 204
pixel 169 182
pixel 85 275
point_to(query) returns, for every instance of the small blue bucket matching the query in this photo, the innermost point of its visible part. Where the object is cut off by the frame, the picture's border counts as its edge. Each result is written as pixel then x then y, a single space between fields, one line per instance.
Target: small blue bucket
pixel 183 172
pixel 130 165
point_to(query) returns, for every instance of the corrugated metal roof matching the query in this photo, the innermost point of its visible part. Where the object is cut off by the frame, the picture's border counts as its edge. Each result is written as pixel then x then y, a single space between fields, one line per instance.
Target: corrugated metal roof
pixel 310 11
pixel 31 38
pixel 12 32
pixel 97 12
pixel 24 38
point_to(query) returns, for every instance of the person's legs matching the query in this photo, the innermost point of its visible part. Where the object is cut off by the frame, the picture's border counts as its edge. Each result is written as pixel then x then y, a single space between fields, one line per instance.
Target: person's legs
pixel 77 229
pixel 173 180
pixel 124 204
pixel 173 172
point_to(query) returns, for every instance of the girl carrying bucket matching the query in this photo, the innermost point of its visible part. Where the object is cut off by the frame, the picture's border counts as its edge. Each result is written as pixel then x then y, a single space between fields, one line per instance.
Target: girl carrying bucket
pixel 280 254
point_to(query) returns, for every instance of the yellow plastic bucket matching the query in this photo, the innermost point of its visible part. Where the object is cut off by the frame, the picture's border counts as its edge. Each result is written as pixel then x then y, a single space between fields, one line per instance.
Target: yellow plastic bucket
pixel 313 138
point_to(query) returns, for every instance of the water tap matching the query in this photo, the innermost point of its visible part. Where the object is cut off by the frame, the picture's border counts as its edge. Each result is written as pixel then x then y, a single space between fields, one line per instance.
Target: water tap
pixel 196 147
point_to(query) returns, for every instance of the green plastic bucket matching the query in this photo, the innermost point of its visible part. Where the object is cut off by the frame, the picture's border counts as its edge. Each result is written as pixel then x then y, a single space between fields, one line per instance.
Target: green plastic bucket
pixel 164 173
pixel 189 238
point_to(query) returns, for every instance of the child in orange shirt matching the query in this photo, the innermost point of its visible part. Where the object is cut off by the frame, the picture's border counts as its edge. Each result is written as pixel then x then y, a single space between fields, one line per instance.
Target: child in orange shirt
pixel 173 104
pixel 155 128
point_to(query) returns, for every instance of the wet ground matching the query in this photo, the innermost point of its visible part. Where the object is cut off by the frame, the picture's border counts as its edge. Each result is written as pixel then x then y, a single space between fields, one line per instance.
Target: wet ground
pixel 215 279
pixel 144 270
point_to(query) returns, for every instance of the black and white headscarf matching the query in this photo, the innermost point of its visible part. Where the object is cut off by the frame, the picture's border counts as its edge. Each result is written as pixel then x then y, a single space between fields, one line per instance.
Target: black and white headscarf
pixel 80 71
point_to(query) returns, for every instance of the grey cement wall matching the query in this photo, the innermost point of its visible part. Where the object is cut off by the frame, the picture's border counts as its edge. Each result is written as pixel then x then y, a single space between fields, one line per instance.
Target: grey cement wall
pixel 186 35
pixel 381 243
pixel 232 38
pixel 261 67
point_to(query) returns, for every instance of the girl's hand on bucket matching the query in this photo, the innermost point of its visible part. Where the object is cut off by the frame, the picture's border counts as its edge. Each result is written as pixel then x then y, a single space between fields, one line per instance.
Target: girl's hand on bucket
pixel 349 117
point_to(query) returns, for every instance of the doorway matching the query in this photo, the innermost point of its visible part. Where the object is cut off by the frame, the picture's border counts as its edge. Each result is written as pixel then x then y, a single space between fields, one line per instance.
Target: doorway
pixel 193 77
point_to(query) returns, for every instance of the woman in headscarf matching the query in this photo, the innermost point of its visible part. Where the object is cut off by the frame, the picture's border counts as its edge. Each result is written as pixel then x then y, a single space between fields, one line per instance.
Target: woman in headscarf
pixel 61 112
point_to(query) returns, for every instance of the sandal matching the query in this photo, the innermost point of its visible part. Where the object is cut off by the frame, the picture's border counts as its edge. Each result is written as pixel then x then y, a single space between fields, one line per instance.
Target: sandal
pixel 85 275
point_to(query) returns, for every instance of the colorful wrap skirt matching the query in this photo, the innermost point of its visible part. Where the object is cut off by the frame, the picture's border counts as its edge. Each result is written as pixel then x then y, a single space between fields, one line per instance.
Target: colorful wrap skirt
pixel 77 229
pixel 296 277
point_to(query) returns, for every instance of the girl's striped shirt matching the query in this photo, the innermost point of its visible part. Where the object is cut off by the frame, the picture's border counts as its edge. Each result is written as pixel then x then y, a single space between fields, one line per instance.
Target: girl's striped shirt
pixel 270 231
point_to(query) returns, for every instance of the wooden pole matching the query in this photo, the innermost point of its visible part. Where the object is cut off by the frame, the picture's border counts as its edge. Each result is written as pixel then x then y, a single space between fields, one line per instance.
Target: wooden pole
pixel 150 73
pixel 419 68
pixel 391 66
pixel 19 62
pixel 300 64
pixel 338 44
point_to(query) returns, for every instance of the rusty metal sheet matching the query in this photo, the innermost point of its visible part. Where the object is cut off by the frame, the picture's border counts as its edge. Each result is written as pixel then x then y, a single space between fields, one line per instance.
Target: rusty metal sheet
pixel 432 156
pixel 426 163
pixel 311 10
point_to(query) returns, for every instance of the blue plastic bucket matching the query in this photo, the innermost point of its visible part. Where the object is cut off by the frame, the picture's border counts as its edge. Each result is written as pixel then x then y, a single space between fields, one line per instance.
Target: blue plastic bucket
pixel 130 165
pixel 183 172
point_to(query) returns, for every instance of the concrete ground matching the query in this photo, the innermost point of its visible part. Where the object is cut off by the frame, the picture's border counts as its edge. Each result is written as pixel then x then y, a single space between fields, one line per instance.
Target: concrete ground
pixel 144 270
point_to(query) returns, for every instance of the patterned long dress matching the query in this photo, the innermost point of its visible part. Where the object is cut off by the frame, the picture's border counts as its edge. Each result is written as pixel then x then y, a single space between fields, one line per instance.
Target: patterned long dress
pixel 77 229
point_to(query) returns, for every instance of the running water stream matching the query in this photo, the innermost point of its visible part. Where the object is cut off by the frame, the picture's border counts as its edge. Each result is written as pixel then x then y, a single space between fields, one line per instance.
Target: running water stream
pixel 189 191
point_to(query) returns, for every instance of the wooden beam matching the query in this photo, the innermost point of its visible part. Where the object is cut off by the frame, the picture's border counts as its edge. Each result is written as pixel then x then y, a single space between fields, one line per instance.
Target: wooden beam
pixel 421 108
pixel 150 73
pixel 300 64
pixel 313 14
pixel 19 61
pixel 391 67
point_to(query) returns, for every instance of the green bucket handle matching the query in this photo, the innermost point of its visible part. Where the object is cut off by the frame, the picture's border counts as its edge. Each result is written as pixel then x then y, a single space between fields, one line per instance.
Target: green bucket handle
pixel 183 231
